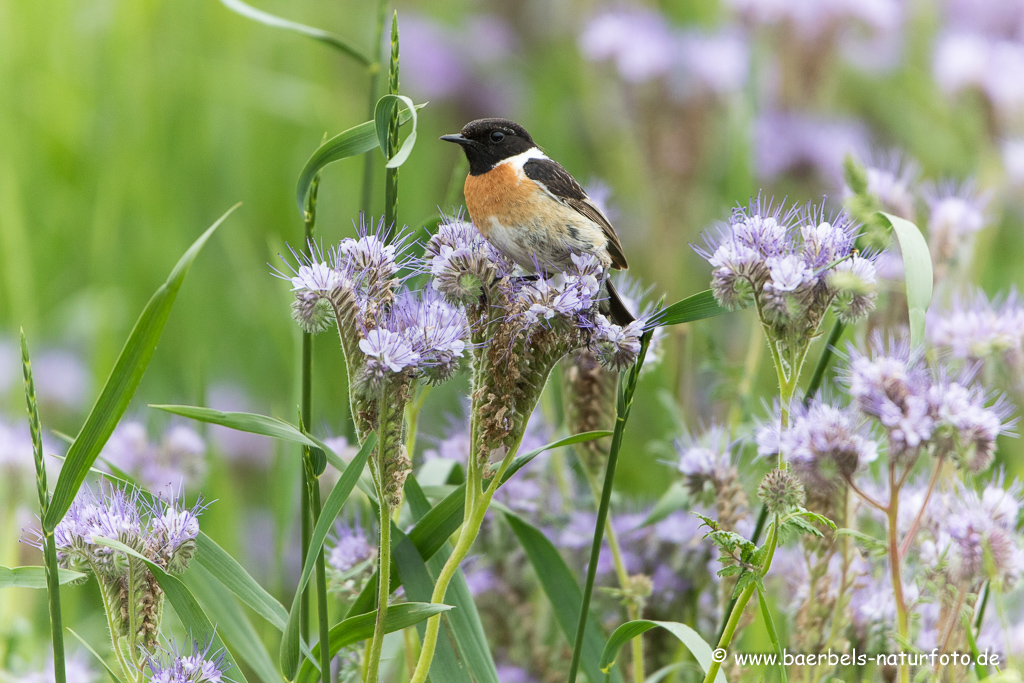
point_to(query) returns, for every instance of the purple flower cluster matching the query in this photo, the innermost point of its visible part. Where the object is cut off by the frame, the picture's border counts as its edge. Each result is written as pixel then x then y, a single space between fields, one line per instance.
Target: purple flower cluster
pixel 796 142
pixel 824 444
pixel 178 461
pixel 792 265
pixel 813 19
pixel 920 409
pixel 978 328
pixel 201 666
pixel 644 46
pixel 163 532
pixel 706 458
pixel 955 214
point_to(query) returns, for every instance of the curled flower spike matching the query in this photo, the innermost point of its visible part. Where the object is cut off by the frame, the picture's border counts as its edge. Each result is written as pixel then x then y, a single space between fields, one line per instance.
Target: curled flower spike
pixel 435 330
pixel 201 666
pixel 461 262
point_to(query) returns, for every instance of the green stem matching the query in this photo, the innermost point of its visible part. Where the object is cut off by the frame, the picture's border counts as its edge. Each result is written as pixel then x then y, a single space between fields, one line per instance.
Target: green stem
pixel 43 492
pixel 626 390
pixel 368 159
pixel 823 361
pixel 391 174
pixel 383 549
pixel 306 408
pixel 321 590
pixel 902 618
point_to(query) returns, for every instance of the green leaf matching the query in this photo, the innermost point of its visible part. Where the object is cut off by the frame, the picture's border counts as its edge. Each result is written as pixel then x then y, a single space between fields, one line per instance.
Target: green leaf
pixel 244 422
pixel 433 531
pixel 697 307
pixel 563 593
pixel 686 635
pixel 121 384
pixel 917 267
pixel 382 114
pixel 352 142
pixel 874 546
pixel 232 623
pixel 229 572
pixel 329 512
pixel 354 629
pixel 773 635
pixel 34 577
pixel 93 652
pixel 327 37
pixel 192 616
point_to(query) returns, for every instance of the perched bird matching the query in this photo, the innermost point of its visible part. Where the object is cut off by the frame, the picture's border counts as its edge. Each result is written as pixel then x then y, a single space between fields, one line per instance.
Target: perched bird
pixel 531 209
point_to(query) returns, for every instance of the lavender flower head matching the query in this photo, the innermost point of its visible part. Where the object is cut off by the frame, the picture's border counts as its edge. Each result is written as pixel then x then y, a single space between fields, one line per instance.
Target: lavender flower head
pixel 981 545
pixel 892 180
pixel 350 560
pixel 977 328
pixel 201 666
pixel 784 263
pixel 641 43
pixel 706 458
pixel 967 420
pixel 956 214
pixel 178 461
pixel 825 444
pixel 461 262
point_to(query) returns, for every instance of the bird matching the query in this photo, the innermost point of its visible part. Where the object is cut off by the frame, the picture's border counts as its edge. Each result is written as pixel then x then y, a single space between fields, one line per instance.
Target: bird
pixel 531 209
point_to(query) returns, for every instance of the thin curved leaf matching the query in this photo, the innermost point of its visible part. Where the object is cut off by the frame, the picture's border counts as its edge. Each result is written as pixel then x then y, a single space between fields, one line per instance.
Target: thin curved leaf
pixel 232 622
pixel 121 385
pixel 352 142
pixel 773 635
pixel 564 595
pixel 917 268
pixel 33 577
pixel 686 635
pixel 229 572
pixel 382 114
pixel 95 654
pixel 354 629
pixel 335 41
pixel 192 616
pixel 244 422
pixel 329 512
pixel 435 528
pixel 697 307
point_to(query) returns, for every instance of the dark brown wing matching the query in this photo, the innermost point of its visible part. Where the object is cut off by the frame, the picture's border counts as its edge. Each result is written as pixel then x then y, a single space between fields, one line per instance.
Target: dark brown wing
pixel 564 187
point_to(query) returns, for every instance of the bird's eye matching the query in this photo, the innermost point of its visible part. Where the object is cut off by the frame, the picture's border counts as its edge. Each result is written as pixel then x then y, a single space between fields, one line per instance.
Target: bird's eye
pixel 497 136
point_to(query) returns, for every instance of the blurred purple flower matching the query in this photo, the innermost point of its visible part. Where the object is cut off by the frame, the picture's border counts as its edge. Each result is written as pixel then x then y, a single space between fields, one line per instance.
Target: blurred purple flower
pixel 348 548
pixel 238 447
pixel 787 142
pixel 641 42
pixel 62 379
pixel 977 328
pixel 718 63
pixel 955 214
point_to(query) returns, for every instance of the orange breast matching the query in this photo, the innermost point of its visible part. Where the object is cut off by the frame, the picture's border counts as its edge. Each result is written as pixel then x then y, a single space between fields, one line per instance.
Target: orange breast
pixel 501 194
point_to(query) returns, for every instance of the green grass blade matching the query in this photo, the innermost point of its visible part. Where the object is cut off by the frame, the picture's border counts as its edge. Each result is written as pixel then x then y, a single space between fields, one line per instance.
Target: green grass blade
pixel 563 593
pixel 34 577
pixel 327 37
pixel 352 142
pixel 697 307
pixel 229 572
pixel 329 512
pixel 103 662
pixel 917 267
pixel 382 114
pixel 686 635
pixel 185 605
pixel 252 423
pixel 232 623
pixel 435 528
pixel 674 499
pixel 773 635
pixel 121 384
pixel 355 629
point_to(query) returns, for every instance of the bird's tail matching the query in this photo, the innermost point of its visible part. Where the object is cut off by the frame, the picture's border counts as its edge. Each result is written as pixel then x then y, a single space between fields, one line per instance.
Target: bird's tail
pixel 613 306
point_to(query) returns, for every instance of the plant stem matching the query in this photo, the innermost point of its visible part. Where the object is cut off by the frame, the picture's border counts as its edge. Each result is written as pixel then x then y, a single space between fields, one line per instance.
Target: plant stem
pixel 902 618
pixel 627 387
pixel 383 549
pixel 321 590
pixel 905 545
pixel 306 405
pixel 823 361
pixel 368 159
pixel 391 174
pixel 43 491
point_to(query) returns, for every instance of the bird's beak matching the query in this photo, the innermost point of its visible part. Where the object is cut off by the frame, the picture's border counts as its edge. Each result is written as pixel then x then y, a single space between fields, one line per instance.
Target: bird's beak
pixel 457 139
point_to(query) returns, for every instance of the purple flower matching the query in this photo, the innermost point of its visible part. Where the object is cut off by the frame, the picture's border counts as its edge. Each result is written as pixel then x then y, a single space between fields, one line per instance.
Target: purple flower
pixel 892 179
pixel 178 461
pixel 704 458
pixel 349 549
pixel 618 347
pixel 823 443
pixel 966 422
pixel 201 666
pixel 640 42
pixel 238 447
pixel 718 63
pixel 389 350
pixel 981 546
pixel 435 330
pixel 797 142
pixel 461 261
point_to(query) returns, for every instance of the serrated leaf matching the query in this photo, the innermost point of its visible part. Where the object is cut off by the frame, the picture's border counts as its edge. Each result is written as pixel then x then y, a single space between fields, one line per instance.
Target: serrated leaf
pixel 267 19
pixel 687 636
pixel 917 268
pixel 382 114
pixel 34 577
pixel 329 512
pixel 352 142
pixel 697 307
pixel 564 595
pixel 120 386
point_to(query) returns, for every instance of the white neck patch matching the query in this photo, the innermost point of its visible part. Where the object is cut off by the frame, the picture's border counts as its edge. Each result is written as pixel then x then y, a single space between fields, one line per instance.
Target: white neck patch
pixel 520 159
